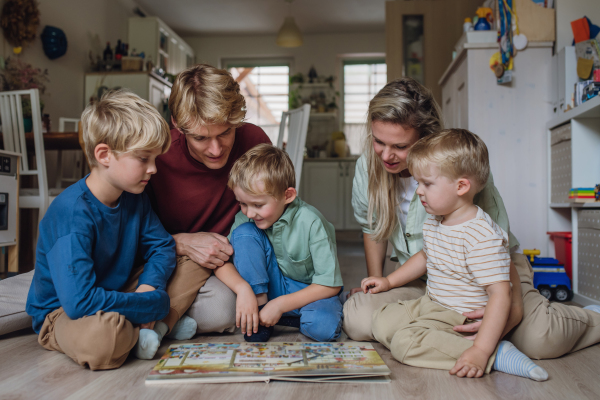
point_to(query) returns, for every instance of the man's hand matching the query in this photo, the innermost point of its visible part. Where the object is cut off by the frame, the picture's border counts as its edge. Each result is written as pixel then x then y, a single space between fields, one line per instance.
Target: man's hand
pixel 375 284
pixel 142 289
pixel 271 313
pixel 207 249
pixel 471 364
pixel 246 311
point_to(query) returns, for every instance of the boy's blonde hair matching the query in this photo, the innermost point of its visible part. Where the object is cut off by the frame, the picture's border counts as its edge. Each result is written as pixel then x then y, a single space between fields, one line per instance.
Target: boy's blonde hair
pixel 124 122
pixel 265 163
pixel 458 153
pixel 203 95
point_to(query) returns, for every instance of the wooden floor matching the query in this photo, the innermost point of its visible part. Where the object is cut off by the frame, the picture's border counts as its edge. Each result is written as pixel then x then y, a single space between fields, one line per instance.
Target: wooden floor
pixel 27 371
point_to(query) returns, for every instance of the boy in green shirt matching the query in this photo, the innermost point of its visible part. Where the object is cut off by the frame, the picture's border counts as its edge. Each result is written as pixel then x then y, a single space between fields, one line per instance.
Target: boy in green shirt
pixel 285 249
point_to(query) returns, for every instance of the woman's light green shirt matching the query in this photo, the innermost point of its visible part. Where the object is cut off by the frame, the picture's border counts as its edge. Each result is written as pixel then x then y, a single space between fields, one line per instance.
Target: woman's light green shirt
pixel 405 244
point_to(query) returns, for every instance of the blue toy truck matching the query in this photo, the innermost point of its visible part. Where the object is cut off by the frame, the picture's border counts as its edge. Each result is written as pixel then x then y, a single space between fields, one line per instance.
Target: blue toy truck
pixel 549 277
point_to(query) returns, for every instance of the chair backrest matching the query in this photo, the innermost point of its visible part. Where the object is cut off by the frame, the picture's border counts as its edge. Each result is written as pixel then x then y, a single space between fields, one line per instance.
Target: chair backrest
pixel 298 127
pixel 13 133
pixel 62 121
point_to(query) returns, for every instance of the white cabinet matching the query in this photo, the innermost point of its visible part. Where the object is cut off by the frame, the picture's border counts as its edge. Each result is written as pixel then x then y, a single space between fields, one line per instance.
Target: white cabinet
pixel 573 140
pixel 327 186
pixel 511 120
pixel 148 86
pixel 160 44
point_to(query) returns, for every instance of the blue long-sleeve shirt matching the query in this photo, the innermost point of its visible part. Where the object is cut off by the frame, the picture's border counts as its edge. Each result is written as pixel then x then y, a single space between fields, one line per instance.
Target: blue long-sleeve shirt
pixel 86 252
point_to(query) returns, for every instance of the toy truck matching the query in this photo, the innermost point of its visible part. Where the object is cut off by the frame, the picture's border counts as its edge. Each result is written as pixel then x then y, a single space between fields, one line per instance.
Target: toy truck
pixel 549 277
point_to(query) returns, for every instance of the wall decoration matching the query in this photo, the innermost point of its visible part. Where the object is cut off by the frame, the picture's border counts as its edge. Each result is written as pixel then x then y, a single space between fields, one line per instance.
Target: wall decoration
pixel 54 42
pixel 20 20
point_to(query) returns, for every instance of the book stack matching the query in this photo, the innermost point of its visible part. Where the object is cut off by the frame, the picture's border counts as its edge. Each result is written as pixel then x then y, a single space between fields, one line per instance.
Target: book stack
pixel 582 195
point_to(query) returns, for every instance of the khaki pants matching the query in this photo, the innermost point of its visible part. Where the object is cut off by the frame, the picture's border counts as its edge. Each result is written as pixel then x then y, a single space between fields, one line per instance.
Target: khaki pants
pixel 546 330
pixel 419 333
pixel 104 340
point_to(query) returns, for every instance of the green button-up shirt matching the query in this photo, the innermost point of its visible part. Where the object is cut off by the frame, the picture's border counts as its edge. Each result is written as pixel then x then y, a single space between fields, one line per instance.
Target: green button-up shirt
pixel 304 244
pixel 406 244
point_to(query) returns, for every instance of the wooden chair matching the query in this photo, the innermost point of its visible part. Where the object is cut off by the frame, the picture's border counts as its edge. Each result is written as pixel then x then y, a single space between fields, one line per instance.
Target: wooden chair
pixel 13 132
pixel 298 127
pixel 70 159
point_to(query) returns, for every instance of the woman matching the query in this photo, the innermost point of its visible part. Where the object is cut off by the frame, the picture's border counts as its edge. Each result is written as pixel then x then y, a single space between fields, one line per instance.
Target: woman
pixel 385 204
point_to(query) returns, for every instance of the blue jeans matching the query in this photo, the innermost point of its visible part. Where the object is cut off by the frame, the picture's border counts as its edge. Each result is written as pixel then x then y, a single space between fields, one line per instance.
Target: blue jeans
pixel 255 260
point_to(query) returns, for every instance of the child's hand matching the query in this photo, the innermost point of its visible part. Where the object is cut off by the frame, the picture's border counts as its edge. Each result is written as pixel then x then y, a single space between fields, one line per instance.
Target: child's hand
pixel 471 363
pixel 374 285
pixel 270 314
pixel 246 311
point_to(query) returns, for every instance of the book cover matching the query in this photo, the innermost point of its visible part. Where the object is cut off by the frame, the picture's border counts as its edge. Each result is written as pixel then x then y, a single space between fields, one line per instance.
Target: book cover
pixel 350 362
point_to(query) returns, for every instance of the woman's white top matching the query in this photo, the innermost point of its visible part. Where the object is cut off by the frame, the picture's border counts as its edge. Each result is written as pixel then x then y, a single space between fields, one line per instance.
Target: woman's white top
pixel 405 195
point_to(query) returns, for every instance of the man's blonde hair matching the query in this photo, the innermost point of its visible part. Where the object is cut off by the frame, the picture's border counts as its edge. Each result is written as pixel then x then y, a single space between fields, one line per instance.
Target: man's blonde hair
pixel 203 95
pixel 457 152
pixel 124 122
pixel 267 164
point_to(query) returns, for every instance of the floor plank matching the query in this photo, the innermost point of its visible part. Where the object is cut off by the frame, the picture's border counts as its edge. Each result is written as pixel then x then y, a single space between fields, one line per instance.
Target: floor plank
pixel 28 371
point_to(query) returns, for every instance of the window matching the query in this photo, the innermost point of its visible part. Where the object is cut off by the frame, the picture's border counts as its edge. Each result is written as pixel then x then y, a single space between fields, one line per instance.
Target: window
pixel 362 81
pixel 266 90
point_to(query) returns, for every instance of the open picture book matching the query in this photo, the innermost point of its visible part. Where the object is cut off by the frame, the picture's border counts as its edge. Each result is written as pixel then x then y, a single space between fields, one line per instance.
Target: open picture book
pixel 350 362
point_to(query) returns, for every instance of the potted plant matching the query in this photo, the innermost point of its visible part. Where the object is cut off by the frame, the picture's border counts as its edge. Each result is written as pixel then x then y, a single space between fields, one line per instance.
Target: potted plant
pixel 18 75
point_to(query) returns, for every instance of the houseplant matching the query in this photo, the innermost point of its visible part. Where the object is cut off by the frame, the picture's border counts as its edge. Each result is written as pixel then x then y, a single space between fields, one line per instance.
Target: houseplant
pixel 18 75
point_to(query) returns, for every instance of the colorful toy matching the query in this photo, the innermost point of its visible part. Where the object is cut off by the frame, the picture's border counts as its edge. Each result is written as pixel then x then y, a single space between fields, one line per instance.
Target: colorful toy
pixel 582 195
pixel 549 277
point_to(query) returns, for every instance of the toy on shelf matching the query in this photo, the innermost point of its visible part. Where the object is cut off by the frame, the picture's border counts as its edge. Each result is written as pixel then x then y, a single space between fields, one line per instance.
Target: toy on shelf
pixel 549 277
pixel 484 20
pixel 582 195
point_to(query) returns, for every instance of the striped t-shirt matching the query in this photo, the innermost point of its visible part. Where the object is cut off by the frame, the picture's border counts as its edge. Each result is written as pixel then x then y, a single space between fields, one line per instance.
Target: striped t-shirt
pixel 463 259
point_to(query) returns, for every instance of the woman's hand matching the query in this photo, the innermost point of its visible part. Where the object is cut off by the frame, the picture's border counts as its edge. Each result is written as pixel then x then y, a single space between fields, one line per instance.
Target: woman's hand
pixel 355 290
pixel 270 313
pixel 207 249
pixel 514 318
pixel 246 311
pixel 375 284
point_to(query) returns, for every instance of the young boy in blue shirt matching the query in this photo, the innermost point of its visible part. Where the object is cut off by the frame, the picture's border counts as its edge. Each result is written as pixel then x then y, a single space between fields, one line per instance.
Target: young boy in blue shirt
pixel 285 249
pixel 103 258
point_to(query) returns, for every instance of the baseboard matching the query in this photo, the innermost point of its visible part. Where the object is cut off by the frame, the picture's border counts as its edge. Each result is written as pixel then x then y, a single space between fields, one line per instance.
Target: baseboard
pixel 584 300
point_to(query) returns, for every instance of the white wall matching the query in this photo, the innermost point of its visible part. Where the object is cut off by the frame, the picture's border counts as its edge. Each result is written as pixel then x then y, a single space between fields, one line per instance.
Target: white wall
pixel 320 50
pixel 82 21
pixel 570 10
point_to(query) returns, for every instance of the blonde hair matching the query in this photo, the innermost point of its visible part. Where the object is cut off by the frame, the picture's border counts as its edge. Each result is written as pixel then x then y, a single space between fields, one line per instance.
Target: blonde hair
pixel 402 102
pixel 203 95
pixel 267 164
pixel 124 122
pixel 457 152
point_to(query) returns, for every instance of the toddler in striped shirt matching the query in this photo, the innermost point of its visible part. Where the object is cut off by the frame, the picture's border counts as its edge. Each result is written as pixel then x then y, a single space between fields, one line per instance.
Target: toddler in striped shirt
pixel 466 257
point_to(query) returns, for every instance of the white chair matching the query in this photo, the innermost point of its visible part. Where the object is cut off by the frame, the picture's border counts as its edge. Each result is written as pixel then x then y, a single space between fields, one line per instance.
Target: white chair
pixel 13 133
pixel 72 160
pixel 298 127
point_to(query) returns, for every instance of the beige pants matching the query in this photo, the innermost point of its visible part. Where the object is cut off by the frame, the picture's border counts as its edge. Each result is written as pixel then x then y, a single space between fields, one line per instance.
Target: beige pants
pixel 419 333
pixel 104 340
pixel 546 330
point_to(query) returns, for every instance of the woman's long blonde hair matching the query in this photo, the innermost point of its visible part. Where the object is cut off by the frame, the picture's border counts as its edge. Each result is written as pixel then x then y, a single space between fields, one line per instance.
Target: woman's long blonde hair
pixel 407 103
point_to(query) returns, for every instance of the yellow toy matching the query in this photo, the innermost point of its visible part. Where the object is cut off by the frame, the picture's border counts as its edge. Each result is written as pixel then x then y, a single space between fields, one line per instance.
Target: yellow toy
pixel 531 254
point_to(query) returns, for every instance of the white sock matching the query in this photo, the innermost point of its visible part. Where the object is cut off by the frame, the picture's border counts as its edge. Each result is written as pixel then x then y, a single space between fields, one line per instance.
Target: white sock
pixel 511 361
pixel 184 329
pixel 149 341
pixel 593 308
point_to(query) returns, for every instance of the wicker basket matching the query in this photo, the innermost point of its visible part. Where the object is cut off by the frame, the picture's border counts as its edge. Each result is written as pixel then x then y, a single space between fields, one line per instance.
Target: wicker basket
pixel 132 63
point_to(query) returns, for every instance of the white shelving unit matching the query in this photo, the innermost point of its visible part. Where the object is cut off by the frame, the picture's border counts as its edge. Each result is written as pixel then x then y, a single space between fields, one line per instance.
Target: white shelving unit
pixel 580 130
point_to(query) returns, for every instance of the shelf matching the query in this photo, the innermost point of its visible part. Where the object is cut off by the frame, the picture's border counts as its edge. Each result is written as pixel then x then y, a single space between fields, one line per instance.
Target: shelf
pixel 575 205
pixel 323 115
pixel 589 109
pixel 319 85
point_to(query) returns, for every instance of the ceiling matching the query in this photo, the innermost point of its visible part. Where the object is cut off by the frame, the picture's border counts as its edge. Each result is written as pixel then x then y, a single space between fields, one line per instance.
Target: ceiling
pixel 231 17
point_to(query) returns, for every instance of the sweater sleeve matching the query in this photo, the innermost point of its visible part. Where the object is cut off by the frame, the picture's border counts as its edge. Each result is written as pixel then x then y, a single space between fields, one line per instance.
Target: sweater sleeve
pixel 157 249
pixel 72 271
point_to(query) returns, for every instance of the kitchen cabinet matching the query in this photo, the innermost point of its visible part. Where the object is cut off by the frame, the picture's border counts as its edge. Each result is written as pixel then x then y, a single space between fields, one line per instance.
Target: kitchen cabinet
pixel 159 44
pixel 148 86
pixel 327 186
